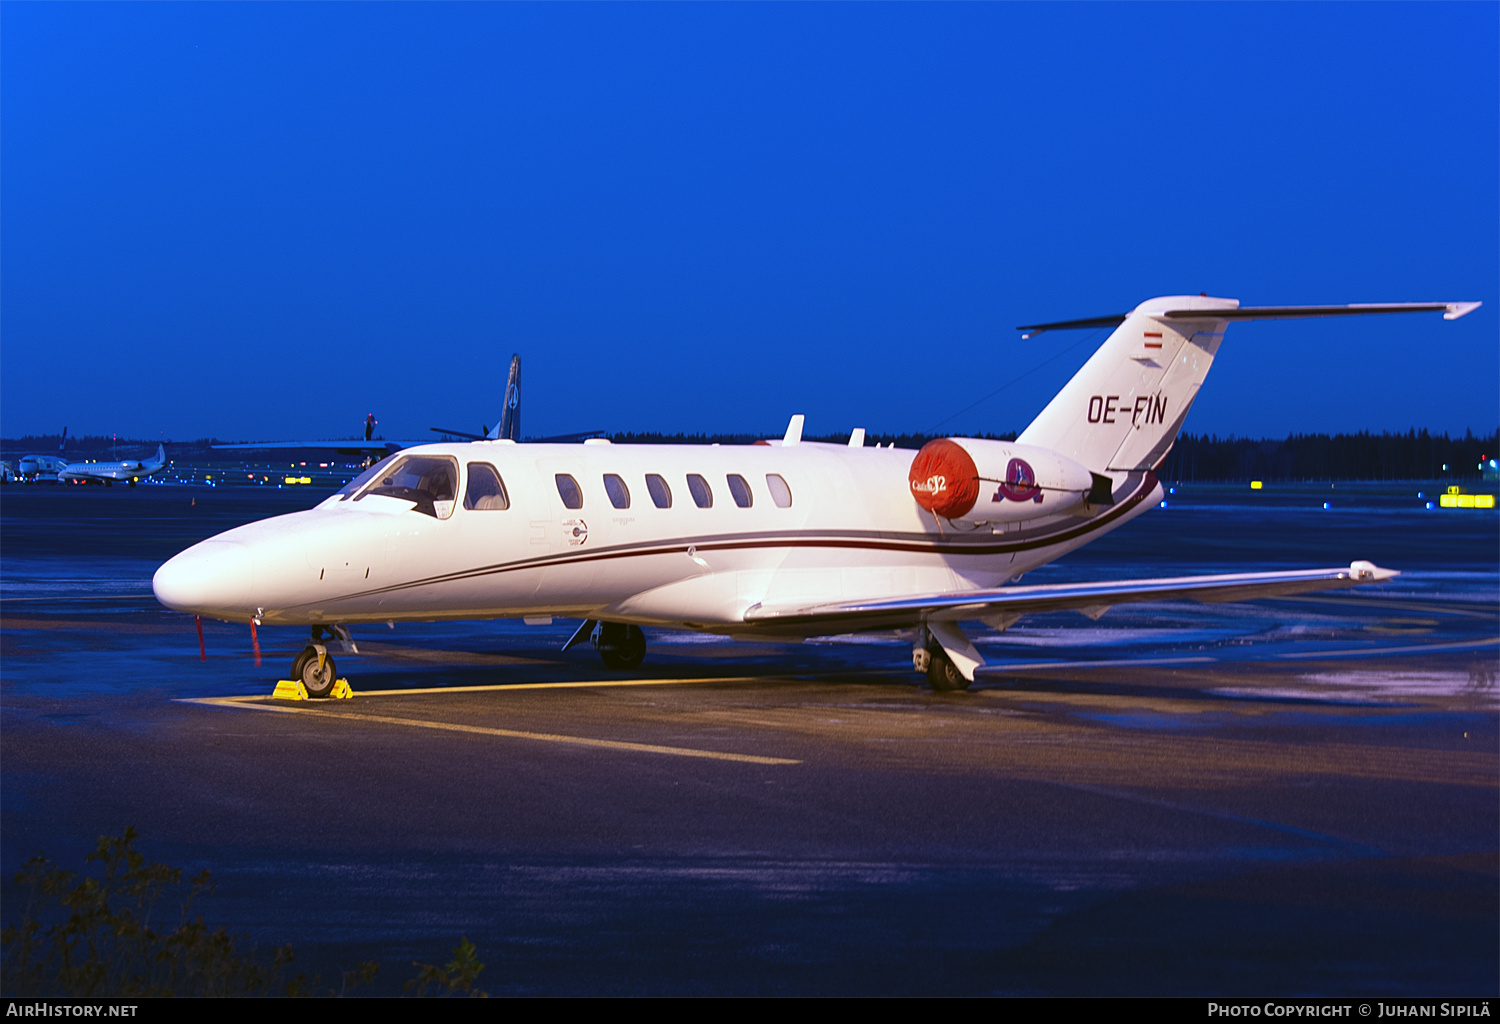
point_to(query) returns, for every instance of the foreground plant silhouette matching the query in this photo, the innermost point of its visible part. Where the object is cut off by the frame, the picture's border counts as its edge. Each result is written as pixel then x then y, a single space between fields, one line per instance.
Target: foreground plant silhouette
pixel 457 977
pixel 95 937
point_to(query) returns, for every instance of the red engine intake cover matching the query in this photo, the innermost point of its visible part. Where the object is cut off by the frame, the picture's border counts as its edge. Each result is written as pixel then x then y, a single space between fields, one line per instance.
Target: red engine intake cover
pixel 944 479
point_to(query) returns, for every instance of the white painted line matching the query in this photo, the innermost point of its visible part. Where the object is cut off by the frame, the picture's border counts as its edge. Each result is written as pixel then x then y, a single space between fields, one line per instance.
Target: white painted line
pixel 253 703
pixel 546 737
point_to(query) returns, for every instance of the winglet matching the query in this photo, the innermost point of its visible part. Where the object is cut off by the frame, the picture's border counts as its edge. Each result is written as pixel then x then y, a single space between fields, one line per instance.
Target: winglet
pixel 793 431
pixel 1364 571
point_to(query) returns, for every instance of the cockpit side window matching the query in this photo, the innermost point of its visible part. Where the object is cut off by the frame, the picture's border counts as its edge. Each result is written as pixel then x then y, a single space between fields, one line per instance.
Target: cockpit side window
pixel 429 481
pixel 485 491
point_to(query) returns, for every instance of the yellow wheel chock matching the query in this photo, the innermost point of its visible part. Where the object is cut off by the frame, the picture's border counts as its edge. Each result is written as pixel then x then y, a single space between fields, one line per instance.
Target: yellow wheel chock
pixel 292 689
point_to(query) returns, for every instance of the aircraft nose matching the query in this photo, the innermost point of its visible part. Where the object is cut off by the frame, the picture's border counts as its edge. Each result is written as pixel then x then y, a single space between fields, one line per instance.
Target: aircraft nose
pixel 211 578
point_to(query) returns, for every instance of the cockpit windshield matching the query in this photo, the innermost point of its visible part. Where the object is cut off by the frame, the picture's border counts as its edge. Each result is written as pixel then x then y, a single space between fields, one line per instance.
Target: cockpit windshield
pixel 353 487
pixel 430 481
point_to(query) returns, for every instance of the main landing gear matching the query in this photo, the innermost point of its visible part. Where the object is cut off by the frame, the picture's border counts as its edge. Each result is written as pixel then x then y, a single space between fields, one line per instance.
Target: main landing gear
pixel 313 667
pixel 621 646
pixel 942 674
pixel 931 655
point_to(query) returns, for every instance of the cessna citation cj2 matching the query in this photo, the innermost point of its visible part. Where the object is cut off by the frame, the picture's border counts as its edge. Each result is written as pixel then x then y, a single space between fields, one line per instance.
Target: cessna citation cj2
pixel 783 539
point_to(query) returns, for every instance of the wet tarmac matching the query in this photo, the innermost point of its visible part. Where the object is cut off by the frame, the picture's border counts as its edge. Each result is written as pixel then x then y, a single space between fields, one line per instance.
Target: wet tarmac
pixel 1277 798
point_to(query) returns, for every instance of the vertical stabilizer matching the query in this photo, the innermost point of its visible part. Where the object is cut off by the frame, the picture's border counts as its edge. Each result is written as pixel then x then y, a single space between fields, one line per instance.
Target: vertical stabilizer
pixel 1123 409
pixel 510 416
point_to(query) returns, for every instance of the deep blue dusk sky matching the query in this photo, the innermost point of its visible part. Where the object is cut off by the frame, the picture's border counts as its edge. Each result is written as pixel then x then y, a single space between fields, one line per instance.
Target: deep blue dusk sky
pixel 265 220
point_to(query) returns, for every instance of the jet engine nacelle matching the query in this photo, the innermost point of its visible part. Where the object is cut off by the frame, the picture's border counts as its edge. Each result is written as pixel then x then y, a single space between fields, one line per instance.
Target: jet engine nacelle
pixel 995 481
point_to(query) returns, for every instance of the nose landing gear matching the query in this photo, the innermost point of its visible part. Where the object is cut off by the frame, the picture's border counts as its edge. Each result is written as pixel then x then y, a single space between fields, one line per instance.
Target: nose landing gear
pixel 315 670
pixel 313 667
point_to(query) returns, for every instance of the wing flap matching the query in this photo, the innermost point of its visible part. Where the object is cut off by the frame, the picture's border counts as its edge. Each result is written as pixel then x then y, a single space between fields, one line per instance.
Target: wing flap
pixel 1091 598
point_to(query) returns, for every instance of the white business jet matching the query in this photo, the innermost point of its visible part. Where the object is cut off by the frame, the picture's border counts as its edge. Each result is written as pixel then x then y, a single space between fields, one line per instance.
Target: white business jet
pixel 130 471
pixel 778 539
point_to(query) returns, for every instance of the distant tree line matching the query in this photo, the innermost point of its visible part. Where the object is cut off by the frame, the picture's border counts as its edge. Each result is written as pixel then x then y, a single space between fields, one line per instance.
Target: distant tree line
pixel 90 445
pixel 1414 455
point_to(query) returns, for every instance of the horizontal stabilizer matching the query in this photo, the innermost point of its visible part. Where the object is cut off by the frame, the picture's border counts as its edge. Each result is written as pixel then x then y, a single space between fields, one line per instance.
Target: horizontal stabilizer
pixel 1450 311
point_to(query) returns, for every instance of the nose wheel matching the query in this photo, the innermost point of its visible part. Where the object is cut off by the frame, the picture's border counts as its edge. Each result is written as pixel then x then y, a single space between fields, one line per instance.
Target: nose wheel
pixel 315 670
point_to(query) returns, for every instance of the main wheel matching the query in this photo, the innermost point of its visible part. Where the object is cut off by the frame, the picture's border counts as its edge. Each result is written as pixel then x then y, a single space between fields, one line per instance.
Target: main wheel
pixel 317 681
pixel 942 674
pixel 622 646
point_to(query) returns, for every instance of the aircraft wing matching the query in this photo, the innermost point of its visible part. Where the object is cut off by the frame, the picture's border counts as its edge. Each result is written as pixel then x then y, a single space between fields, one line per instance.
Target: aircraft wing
pixel 1092 599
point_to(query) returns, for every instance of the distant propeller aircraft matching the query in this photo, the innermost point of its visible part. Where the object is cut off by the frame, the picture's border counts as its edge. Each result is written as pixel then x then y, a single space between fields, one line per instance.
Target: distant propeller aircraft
pixel 783 538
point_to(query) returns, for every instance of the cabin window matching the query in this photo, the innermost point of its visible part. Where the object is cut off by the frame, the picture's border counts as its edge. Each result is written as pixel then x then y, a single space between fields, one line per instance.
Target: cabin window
pixel 661 494
pixel 485 490
pixel 619 494
pixel 428 481
pixel 739 490
pixel 781 494
pixel 569 491
pixel 698 487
